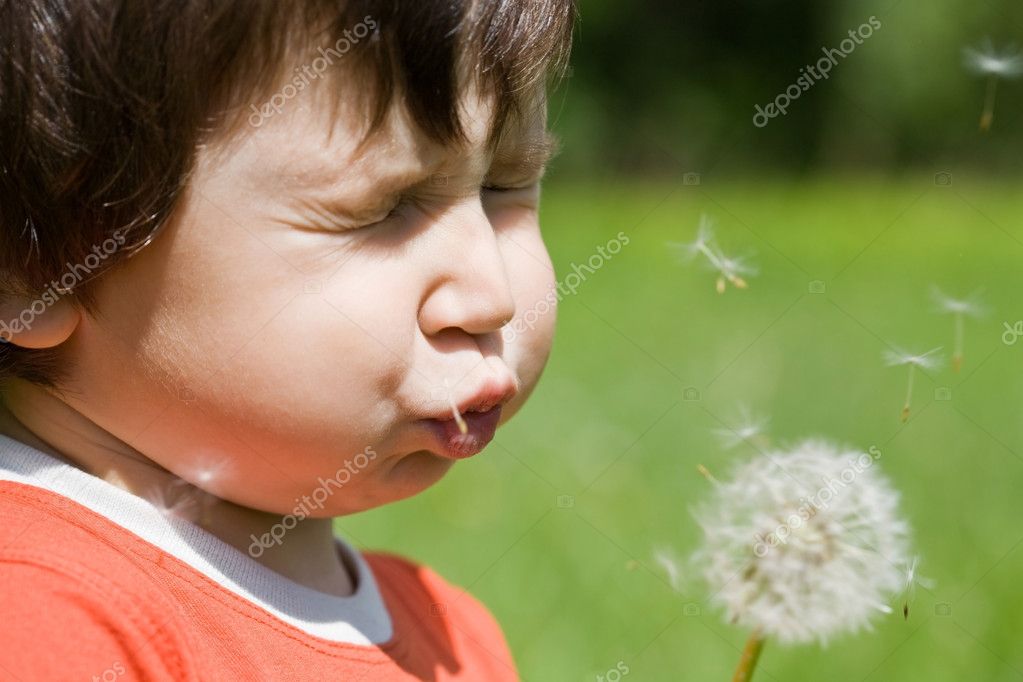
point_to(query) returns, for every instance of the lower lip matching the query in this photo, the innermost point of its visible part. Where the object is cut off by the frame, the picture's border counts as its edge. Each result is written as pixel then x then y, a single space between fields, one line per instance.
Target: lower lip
pixel 454 444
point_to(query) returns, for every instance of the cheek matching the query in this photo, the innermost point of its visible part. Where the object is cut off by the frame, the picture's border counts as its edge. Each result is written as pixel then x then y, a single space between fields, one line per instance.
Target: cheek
pixel 529 336
pixel 247 360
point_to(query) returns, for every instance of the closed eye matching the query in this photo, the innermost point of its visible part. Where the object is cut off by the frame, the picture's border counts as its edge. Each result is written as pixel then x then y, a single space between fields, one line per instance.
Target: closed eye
pixel 507 188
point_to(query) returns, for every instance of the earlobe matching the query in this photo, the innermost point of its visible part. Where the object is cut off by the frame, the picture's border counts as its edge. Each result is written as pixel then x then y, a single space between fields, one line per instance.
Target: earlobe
pixel 42 322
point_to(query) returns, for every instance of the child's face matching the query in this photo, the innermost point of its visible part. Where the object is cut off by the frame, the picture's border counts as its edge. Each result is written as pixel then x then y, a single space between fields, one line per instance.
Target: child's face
pixel 265 339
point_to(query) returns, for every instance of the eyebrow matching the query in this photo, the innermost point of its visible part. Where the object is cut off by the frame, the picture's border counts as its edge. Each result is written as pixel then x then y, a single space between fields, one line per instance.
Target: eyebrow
pixel 527 160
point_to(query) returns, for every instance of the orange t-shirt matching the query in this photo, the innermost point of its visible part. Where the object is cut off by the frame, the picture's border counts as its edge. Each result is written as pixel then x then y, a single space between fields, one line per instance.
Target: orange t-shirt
pixel 89 591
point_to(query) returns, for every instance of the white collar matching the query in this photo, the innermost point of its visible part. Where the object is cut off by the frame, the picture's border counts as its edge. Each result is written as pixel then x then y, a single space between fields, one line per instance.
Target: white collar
pixel 361 618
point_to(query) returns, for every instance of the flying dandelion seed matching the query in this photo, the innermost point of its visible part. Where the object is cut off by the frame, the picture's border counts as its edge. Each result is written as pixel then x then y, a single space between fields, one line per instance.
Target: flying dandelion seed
pixel 749 429
pixel 928 360
pixel 802 546
pixel 668 564
pixel 176 499
pixel 987 61
pixel 960 308
pixel 912 580
pixel 730 269
pixel 204 475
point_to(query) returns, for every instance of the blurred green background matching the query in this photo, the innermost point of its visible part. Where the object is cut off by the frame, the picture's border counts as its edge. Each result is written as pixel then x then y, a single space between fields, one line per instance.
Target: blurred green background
pixel 875 187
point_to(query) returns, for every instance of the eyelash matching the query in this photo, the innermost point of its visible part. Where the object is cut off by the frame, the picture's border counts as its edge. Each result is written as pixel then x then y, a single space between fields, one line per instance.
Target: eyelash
pixel 498 188
pixel 398 207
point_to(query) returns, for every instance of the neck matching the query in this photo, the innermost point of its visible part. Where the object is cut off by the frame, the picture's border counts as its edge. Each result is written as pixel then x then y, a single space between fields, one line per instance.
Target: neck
pixel 41 419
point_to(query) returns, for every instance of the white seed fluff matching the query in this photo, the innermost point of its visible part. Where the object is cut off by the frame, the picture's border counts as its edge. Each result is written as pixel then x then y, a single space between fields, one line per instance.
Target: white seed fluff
pixel 804 545
pixel 987 60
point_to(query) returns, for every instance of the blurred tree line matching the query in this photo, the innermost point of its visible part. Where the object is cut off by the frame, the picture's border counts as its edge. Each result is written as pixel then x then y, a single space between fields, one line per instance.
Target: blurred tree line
pixel 662 87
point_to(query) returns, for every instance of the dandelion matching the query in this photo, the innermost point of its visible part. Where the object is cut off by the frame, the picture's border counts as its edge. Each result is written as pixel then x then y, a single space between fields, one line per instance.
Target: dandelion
pixel 960 308
pixel 802 546
pixel 987 61
pixel 729 268
pixel 749 429
pixel 928 360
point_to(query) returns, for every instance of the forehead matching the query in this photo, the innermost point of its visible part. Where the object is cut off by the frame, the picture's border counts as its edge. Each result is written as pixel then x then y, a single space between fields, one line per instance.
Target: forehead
pixel 320 146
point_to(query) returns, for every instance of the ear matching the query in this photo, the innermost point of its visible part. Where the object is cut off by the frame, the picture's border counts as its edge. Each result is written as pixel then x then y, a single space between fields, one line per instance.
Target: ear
pixel 42 322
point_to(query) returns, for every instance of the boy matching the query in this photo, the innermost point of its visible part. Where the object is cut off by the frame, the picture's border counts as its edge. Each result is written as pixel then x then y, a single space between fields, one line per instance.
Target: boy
pixel 256 261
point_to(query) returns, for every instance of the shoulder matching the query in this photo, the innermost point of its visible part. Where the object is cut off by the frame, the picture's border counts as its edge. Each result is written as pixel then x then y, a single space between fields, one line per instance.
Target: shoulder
pixel 422 600
pixel 419 583
pixel 76 601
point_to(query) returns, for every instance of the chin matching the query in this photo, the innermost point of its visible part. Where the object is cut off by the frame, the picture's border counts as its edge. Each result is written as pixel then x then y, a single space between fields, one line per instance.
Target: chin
pixel 408 475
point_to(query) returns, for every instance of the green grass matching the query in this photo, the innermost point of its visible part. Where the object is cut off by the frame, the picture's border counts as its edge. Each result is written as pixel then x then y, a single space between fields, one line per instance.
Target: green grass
pixel 576 588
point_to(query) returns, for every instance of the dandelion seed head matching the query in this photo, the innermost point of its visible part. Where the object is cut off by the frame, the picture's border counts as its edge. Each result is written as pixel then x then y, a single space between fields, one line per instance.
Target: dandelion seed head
pixel 929 360
pixel 842 557
pixel 988 61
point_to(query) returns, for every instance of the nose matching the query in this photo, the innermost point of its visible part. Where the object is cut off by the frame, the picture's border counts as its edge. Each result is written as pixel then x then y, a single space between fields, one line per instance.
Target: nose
pixel 469 288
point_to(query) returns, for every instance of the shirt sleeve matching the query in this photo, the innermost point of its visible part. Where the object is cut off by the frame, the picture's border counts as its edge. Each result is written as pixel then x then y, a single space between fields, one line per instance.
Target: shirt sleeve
pixel 60 622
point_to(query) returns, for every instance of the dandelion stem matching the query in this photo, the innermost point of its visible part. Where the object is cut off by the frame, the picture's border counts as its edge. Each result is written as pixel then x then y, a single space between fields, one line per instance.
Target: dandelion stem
pixel 909 395
pixel 710 255
pixel 750 655
pixel 988 116
pixel 957 354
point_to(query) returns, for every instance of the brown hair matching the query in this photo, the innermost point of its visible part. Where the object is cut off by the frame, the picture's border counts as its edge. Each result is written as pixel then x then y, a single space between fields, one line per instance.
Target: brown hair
pixel 103 102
